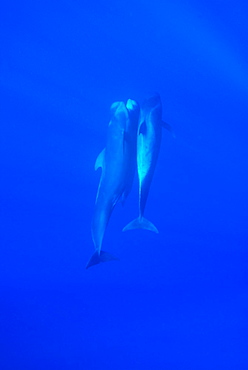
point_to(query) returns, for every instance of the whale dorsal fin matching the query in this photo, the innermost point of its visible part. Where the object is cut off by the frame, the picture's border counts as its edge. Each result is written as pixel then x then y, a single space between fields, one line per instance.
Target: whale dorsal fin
pixel 100 160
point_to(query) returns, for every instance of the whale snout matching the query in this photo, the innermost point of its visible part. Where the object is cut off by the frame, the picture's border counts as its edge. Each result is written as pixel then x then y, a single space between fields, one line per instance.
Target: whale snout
pixel 117 106
pixel 132 104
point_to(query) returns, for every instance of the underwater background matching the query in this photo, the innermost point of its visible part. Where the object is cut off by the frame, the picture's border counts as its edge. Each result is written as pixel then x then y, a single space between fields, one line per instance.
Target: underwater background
pixel 174 300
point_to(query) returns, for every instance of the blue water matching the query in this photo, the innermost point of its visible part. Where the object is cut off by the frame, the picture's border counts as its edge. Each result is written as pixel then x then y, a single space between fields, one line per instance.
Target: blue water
pixel 176 300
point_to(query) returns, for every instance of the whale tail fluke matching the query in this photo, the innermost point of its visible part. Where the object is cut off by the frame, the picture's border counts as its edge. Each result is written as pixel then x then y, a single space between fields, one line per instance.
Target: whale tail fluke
pixel 100 257
pixel 141 223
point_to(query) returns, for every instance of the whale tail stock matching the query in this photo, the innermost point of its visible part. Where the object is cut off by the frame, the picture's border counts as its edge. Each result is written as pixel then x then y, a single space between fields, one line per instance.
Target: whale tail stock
pixel 141 223
pixel 100 257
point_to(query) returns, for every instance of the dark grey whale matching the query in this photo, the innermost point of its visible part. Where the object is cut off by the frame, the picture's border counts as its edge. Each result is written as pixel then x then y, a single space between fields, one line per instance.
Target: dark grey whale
pixel 117 162
pixel 148 146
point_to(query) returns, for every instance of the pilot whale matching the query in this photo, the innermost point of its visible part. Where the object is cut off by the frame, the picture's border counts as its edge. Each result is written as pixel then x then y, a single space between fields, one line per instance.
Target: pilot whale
pixel 148 146
pixel 117 162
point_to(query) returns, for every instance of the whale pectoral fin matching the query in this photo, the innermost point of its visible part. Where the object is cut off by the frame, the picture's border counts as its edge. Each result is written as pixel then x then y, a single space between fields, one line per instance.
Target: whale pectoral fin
pixel 123 198
pixel 100 160
pixel 142 128
pixel 168 127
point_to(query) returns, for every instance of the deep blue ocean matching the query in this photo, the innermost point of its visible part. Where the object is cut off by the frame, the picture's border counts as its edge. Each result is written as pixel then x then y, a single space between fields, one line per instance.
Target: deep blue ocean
pixel 176 300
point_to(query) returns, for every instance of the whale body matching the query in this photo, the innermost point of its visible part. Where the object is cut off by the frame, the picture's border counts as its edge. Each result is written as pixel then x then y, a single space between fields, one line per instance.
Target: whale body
pixel 148 146
pixel 117 161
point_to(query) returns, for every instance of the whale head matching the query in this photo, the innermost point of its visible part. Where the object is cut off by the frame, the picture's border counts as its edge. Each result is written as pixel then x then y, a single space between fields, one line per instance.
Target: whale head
pixel 152 101
pixel 132 105
pixel 133 109
pixel 119 114
pixel 152 106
